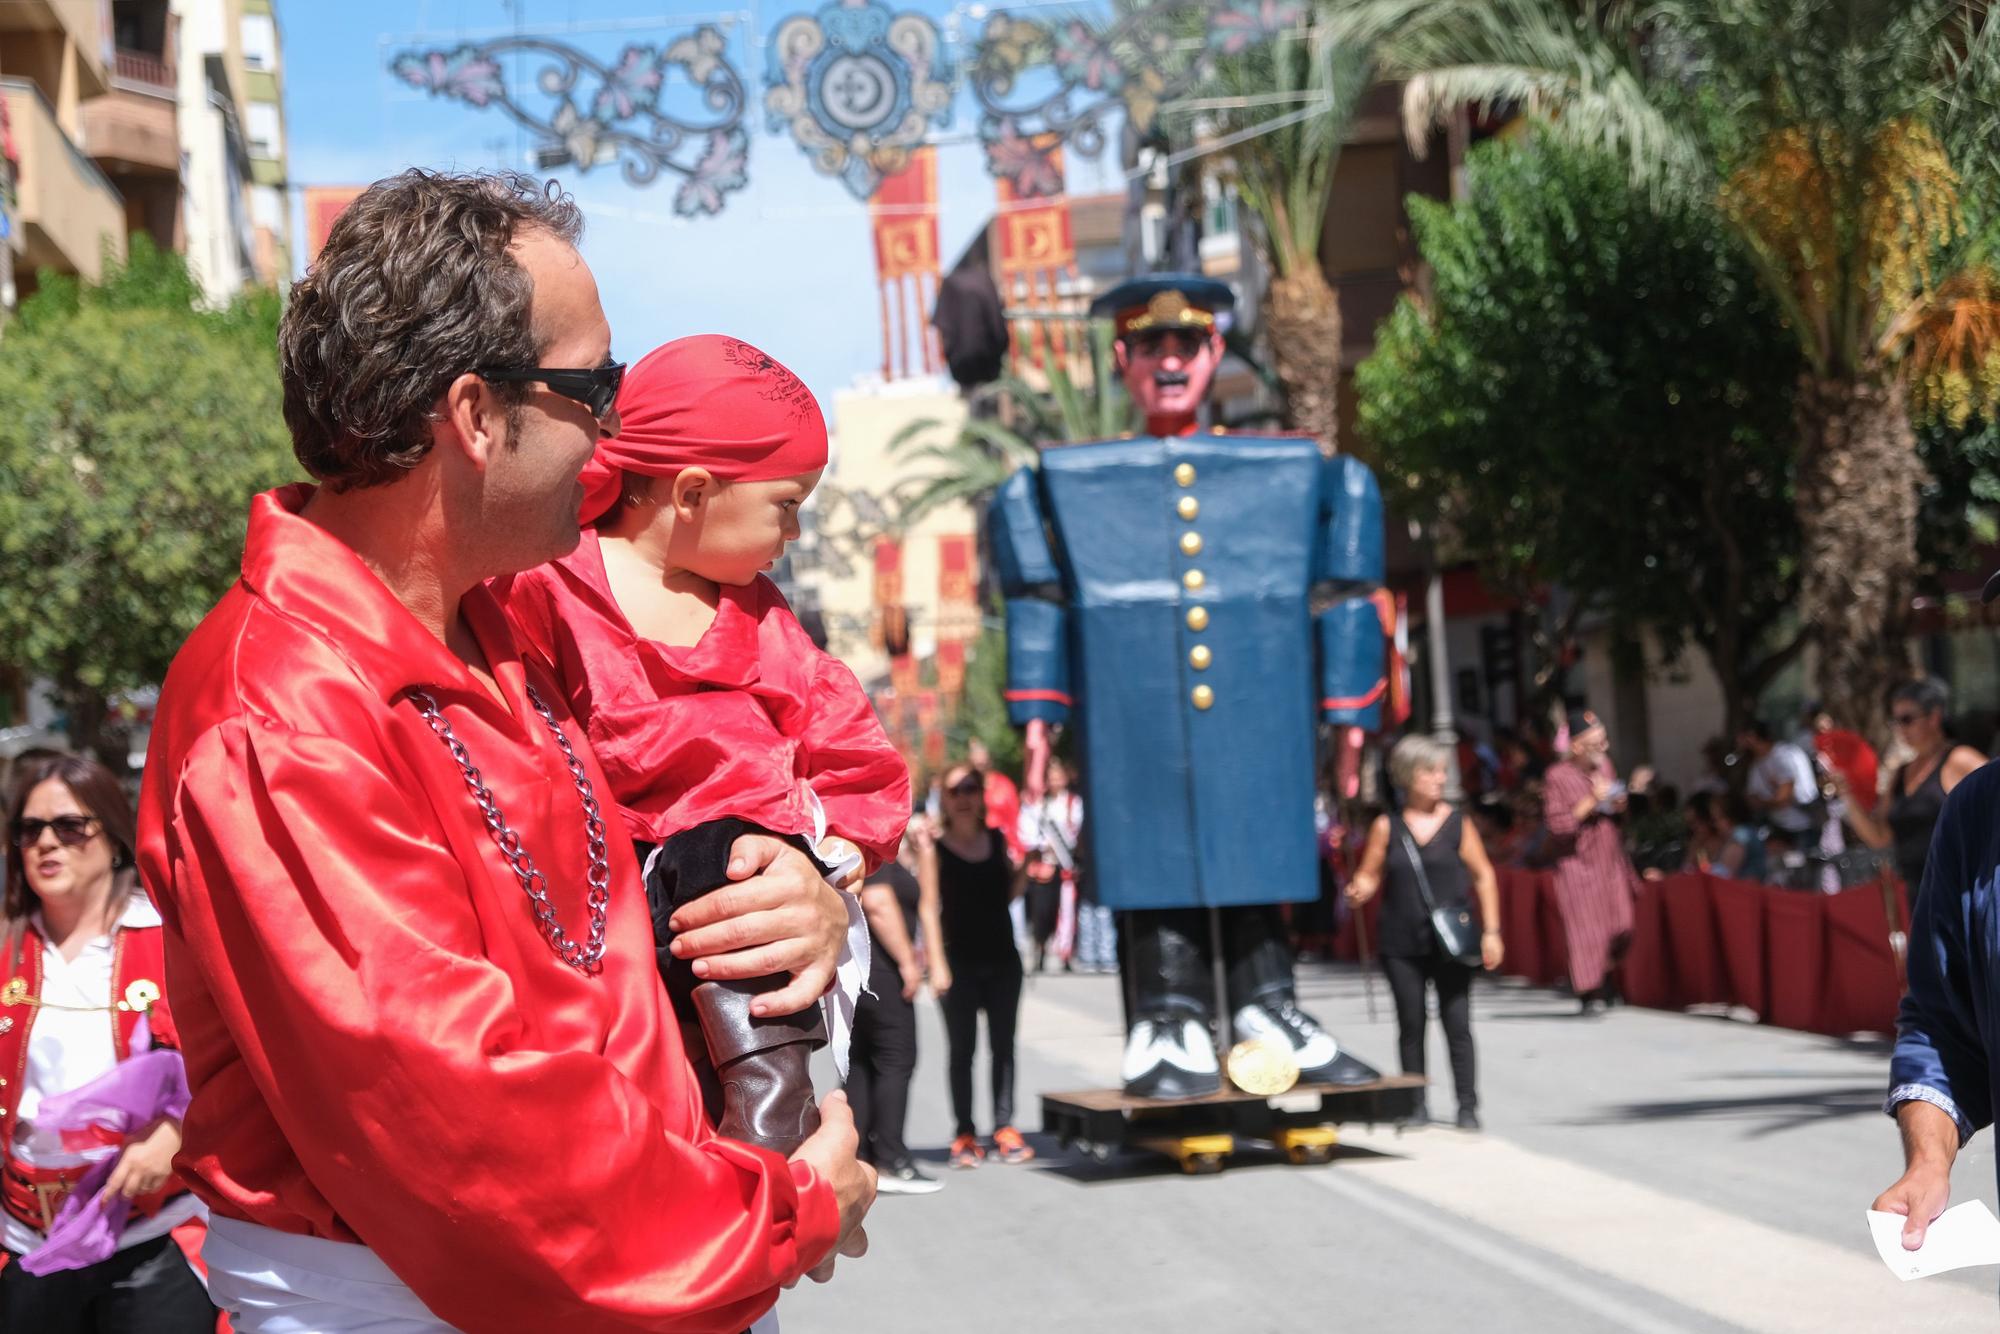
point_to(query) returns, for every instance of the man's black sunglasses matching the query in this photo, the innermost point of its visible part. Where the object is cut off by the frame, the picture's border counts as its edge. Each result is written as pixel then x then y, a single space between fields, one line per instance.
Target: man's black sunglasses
pixel 596 389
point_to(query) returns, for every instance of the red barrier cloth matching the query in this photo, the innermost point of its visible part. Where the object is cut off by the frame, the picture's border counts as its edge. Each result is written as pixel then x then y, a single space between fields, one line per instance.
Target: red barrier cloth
pixel 1646 975
pixel 1861 987
pixel 1794 956
pixel 1695 952
pixel 1520 924
pixel 1739 924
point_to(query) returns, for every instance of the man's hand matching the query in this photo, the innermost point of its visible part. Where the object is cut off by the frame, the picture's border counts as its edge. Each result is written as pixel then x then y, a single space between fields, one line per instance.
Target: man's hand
pixel 829 1151
pixel 146 1164
pixel 780 917
pixel 1930 1142
pixel 1920 1194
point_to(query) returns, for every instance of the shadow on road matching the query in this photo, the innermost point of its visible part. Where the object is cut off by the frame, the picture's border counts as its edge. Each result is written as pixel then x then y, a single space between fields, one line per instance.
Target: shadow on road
pixel 1796 1108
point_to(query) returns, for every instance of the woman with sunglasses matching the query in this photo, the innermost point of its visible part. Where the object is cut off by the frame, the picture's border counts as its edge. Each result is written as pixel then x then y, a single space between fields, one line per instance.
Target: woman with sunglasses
pixel 84 963
pixel 1920 711
pixel 977 884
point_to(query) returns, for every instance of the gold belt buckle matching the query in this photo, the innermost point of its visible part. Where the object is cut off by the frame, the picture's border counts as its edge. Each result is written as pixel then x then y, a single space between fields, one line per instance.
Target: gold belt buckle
pixel 50 1195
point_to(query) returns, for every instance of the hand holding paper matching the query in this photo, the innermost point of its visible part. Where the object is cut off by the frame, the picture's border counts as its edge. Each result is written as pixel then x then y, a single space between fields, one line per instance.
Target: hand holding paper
pixel 1967 1234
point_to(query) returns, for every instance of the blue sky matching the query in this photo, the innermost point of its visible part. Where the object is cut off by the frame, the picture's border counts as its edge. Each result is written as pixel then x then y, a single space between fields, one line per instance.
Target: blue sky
pixel 788 264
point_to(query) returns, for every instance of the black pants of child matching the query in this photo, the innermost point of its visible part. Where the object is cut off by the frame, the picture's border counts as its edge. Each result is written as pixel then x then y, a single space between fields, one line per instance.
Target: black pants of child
pixel 756 1081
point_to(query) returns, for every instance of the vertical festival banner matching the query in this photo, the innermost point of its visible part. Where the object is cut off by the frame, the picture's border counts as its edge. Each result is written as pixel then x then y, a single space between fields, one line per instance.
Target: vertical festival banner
pixel 324 205
pixel 1037 251
pixel 904 216
pixel 958 614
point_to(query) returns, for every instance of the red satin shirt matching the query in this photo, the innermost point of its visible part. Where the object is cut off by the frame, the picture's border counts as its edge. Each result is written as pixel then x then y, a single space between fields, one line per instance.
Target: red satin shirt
pixel 381 1046
pixel 738 724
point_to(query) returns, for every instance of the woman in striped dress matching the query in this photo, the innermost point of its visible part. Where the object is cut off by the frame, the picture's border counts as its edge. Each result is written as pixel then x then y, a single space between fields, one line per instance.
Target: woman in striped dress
pixel 1582 803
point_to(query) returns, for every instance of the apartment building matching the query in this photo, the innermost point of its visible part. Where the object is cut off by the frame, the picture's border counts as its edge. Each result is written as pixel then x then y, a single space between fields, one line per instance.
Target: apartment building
pixel 237 209
pixel 61 211
pixel 162 117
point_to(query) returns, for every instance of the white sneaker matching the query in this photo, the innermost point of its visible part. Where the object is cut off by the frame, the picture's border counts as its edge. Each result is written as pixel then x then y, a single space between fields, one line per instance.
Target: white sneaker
pixel 1321 1061
pixel 1168 1056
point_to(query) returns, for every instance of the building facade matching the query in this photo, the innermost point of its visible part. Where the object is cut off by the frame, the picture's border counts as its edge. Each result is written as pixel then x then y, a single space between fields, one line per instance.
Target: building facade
pixel 62 212
pixel 156 117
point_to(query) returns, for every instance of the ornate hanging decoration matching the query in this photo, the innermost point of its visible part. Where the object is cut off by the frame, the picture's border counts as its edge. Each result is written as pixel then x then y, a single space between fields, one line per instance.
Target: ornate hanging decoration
pixel 615 113
pixel 1043 83
pixel 859 87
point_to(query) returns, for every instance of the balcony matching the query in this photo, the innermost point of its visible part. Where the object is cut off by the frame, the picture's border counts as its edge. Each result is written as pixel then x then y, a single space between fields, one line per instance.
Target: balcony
pixel 43 34
pixel 68 212
pixel 133 128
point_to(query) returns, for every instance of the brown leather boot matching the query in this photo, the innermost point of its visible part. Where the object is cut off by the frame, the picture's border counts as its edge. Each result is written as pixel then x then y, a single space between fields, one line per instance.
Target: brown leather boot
pixel 763 1065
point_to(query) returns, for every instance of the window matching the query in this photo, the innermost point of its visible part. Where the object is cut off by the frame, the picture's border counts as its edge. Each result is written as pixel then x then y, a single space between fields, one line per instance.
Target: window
pixel 267 138
pixel 260 42
pixel 267 207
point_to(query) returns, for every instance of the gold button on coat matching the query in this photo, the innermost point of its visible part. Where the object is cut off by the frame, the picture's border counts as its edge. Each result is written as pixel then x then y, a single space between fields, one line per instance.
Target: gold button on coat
pixel 1199 657
pixel 1190 544
pixel 1197 619
pixel 1203 697
pixel 1188 508
pixel 1184 474
pixel 1194 579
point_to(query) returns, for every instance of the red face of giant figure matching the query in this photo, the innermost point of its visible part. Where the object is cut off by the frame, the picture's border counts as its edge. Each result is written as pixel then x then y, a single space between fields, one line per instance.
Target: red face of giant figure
pixel 1168 373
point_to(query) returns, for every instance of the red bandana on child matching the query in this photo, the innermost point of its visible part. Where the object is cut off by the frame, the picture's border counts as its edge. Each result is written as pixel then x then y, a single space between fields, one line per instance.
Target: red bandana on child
pixel 709 402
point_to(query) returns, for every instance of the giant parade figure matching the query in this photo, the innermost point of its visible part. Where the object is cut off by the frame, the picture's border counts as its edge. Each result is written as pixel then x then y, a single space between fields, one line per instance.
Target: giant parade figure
pixel 1160 590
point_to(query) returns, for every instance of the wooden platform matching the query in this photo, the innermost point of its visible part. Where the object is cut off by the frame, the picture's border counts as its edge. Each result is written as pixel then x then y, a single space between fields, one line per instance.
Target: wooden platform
pixel 1202 1132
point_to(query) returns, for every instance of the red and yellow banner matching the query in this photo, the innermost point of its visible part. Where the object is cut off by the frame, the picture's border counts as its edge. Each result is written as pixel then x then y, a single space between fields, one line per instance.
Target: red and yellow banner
pixel 1036 248
pixel 324 205
pixel 903 213
pixel 1035 236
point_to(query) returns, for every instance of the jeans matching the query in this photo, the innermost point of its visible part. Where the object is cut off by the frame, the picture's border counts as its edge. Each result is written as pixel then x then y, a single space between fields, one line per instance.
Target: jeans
pixel 1408 978
pixel 1096 936
pixel 879 1065
pixel 996 989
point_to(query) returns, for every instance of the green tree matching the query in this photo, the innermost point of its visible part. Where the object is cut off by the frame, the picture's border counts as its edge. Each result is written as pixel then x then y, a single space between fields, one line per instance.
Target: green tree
pixel 137 429
pixel 1855 150
pixel 1596 394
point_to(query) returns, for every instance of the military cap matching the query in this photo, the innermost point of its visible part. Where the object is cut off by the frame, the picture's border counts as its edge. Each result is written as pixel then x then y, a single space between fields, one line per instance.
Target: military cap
pixel 1164 301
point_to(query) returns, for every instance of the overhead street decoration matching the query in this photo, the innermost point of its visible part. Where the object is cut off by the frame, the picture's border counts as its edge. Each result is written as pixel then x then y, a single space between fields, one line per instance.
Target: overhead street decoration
pixel 1043 83
pixel 859 87
pixel 612 113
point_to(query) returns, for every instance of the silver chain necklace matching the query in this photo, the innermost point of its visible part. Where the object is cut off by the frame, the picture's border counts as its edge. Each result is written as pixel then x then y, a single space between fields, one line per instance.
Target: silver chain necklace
pixel 584 958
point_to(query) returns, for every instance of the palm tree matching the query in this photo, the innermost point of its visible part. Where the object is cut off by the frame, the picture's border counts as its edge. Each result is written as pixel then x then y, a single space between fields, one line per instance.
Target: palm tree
pixel 1282 109
pixel 1855 145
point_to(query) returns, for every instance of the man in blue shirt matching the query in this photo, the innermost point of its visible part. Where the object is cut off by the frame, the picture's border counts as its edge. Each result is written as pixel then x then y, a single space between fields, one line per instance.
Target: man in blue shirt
pixel 1941 1079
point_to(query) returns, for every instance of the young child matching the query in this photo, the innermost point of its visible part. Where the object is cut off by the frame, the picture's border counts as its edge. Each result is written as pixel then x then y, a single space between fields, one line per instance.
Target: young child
pixel 712 712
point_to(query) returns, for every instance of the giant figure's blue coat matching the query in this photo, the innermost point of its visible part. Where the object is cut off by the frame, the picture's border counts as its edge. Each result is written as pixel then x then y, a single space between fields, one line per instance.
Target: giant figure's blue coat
pixel 1116 598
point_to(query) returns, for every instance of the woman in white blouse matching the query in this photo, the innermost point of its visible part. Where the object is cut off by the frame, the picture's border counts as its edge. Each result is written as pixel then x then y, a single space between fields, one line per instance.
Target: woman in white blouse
pixel 80 946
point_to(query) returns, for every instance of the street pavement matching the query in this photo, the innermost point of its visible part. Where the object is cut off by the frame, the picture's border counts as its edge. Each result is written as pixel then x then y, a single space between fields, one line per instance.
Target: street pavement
pixel 1641 1171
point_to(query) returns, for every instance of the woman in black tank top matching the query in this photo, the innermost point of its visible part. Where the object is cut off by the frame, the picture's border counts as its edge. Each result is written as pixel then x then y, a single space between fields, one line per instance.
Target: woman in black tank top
pixel 1918 711
pixel 977 881
pixel 1427 850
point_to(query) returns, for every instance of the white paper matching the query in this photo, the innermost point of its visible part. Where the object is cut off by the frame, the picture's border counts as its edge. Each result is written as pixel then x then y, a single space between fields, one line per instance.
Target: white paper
pixel 1964 1235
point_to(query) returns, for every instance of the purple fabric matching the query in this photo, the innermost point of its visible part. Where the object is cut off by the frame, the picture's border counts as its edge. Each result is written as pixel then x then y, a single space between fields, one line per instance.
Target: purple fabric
pixel 124 1100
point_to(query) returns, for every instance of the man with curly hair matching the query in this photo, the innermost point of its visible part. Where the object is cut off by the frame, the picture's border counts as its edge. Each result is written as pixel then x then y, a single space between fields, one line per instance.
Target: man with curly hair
pixel 436 1083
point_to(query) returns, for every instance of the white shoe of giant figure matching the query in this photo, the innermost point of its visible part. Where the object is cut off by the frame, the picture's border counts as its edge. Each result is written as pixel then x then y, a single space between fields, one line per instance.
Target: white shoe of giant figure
pixel 1170 1056
pixel 1320 1058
